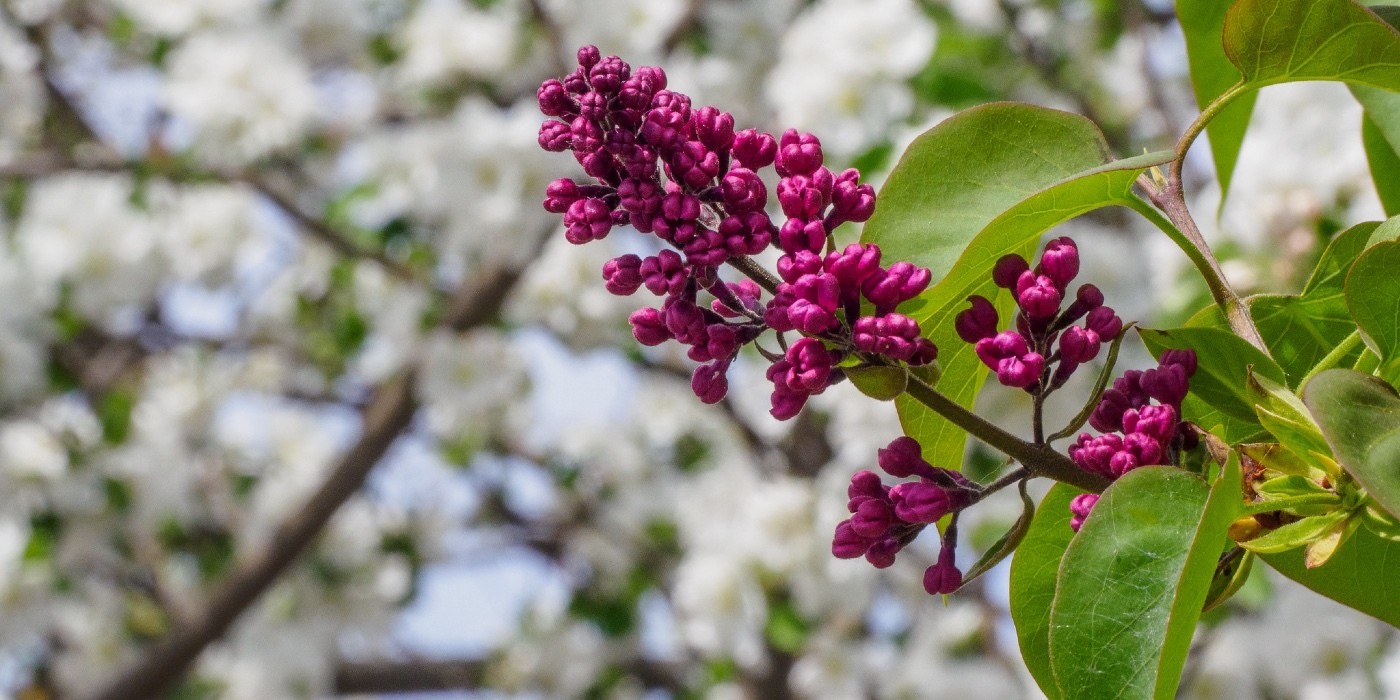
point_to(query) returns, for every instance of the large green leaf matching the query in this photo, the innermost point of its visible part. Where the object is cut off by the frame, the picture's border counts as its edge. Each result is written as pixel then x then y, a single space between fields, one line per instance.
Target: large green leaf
pixel 1373 296
pixel 1360 416
pixel 1034 571
pixel 1133 582
pixel 1361 574
pixel 985 182
pixel 1212 74
pixel 1223 362
pixel 1277 41
pixel 1385 165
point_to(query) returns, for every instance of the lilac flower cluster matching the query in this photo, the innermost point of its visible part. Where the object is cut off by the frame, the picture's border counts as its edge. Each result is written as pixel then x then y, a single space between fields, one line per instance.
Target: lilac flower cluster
pixel 1023 358
pixel 687 176
pixel 886 518
pixel 1136 432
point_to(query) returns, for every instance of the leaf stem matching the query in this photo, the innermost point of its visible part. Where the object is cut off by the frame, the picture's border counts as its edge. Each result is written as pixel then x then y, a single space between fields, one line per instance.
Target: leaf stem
pixel 1311 499
pixel 1041 461
pixel 1334 358
pixel 753 271
pixel 1194 130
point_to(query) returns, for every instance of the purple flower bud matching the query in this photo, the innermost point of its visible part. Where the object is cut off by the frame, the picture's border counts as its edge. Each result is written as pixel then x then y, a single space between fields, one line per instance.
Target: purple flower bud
pixel 576 83
pixel 642 199
pixel 607 75
pixel 1138 450
pixel 1060 261
pixel 714 128
pixel 722 340
pixel 599 164
pixel 623 275
pixel 873 518
pixel 920 502
pixel 1105 323
pixel 786 402
pixel 1020 372
pixel 892 335
pixel 587 220
pixel 817 298
pixel 747 292
pixel 554 100
pixel 588 56
pixel 1168 383
pixel 1093 454
pixel 676 222
pixel 710 383
pixel 684 320
pixel 666 122
pixel 1002 345
pixel 775 315
pixel 798 154
pixel 854 265
pixel 1157 422
pixel 694 164
pixel 706 249
pixel 882 552
pixel 743 191
pixel 1090 296
pixel 806 196
pixel 556 136
pixel 846 544
pixel 560 194
pixel 978 322
pixel 635 94
pixel 1079 509
pixel 593 106
pixel 811 365
pixel 1126 393
pixel 653 78
pixel 851 201
pixel 794 265
pixel 796 235
pixel 648 327
pixel 943 577
pixel 665 273
pixel 747 234
pixel 754 149
pixel 1037 295
pixel 1186 359
pixel 1079 345
pixel 1008 270
pixel 588 136
pixel 903 458
pixel 864 484
pixel 888 289
pixel 924 352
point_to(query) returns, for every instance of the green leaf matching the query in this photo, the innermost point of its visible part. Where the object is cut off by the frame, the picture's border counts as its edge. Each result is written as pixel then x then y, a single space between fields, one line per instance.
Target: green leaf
pixel 1229 580
pixel 1232 430
pixel 1385 164
pixel 879 382
pixel 1034 574
pixel 985 182
pixel 1283 414
pixel 1008 542
pixel 1212 74
pixel 1295 534
pixel 1277 41
pixel 1360 415
pixel 1373 296
pixel 1133 582
pixel 1360 574
pixel 1223 362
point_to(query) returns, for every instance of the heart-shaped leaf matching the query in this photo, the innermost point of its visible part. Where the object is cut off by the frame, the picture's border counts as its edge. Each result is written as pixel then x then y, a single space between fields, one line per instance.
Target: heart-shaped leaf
pixel 985 182
pixel 1134 580
pixel 1360 416
pixel 1034 574
pixel 1276 41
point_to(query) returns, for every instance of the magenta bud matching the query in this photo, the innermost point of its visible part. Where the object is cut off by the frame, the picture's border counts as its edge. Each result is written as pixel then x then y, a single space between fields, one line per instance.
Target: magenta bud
pixel 1037 295
pixel 775 315
pixel 854 265
pixel 1103 322
pixel 865 484
pixel 714 128
pixel 587 220
pixel 623 275
pixel 1090 296
pixel 743 191
pixel 608 75
pixel 747 234
pixel 903 458
pixel 665 273
pixel 754 149
pixel 709 382
pixel 588 56
pixel 798 154
pixel 811 365
pixel 746 292
pixel 1186 359
pixel 554 99
pixel 920 502
pixel 872 518
pixel 1079 508
pixel 806 196
pixel 978 322
pixel 851 201
pixel 888 289
pixel 556 136
pixel 648 327
pixel 1060 261
pixel 560 194
pixel 794 266
pixel 1168 383
pixel 1008 270
pixel 1001 346
pixel 694 164
pixel 786 402
pixel 1020 372
pixel 797 235
pixel 1079 345
pixel 882 552
pixel 1157 422
pixel 943 577
pixel 847 544
pixel 1093 454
